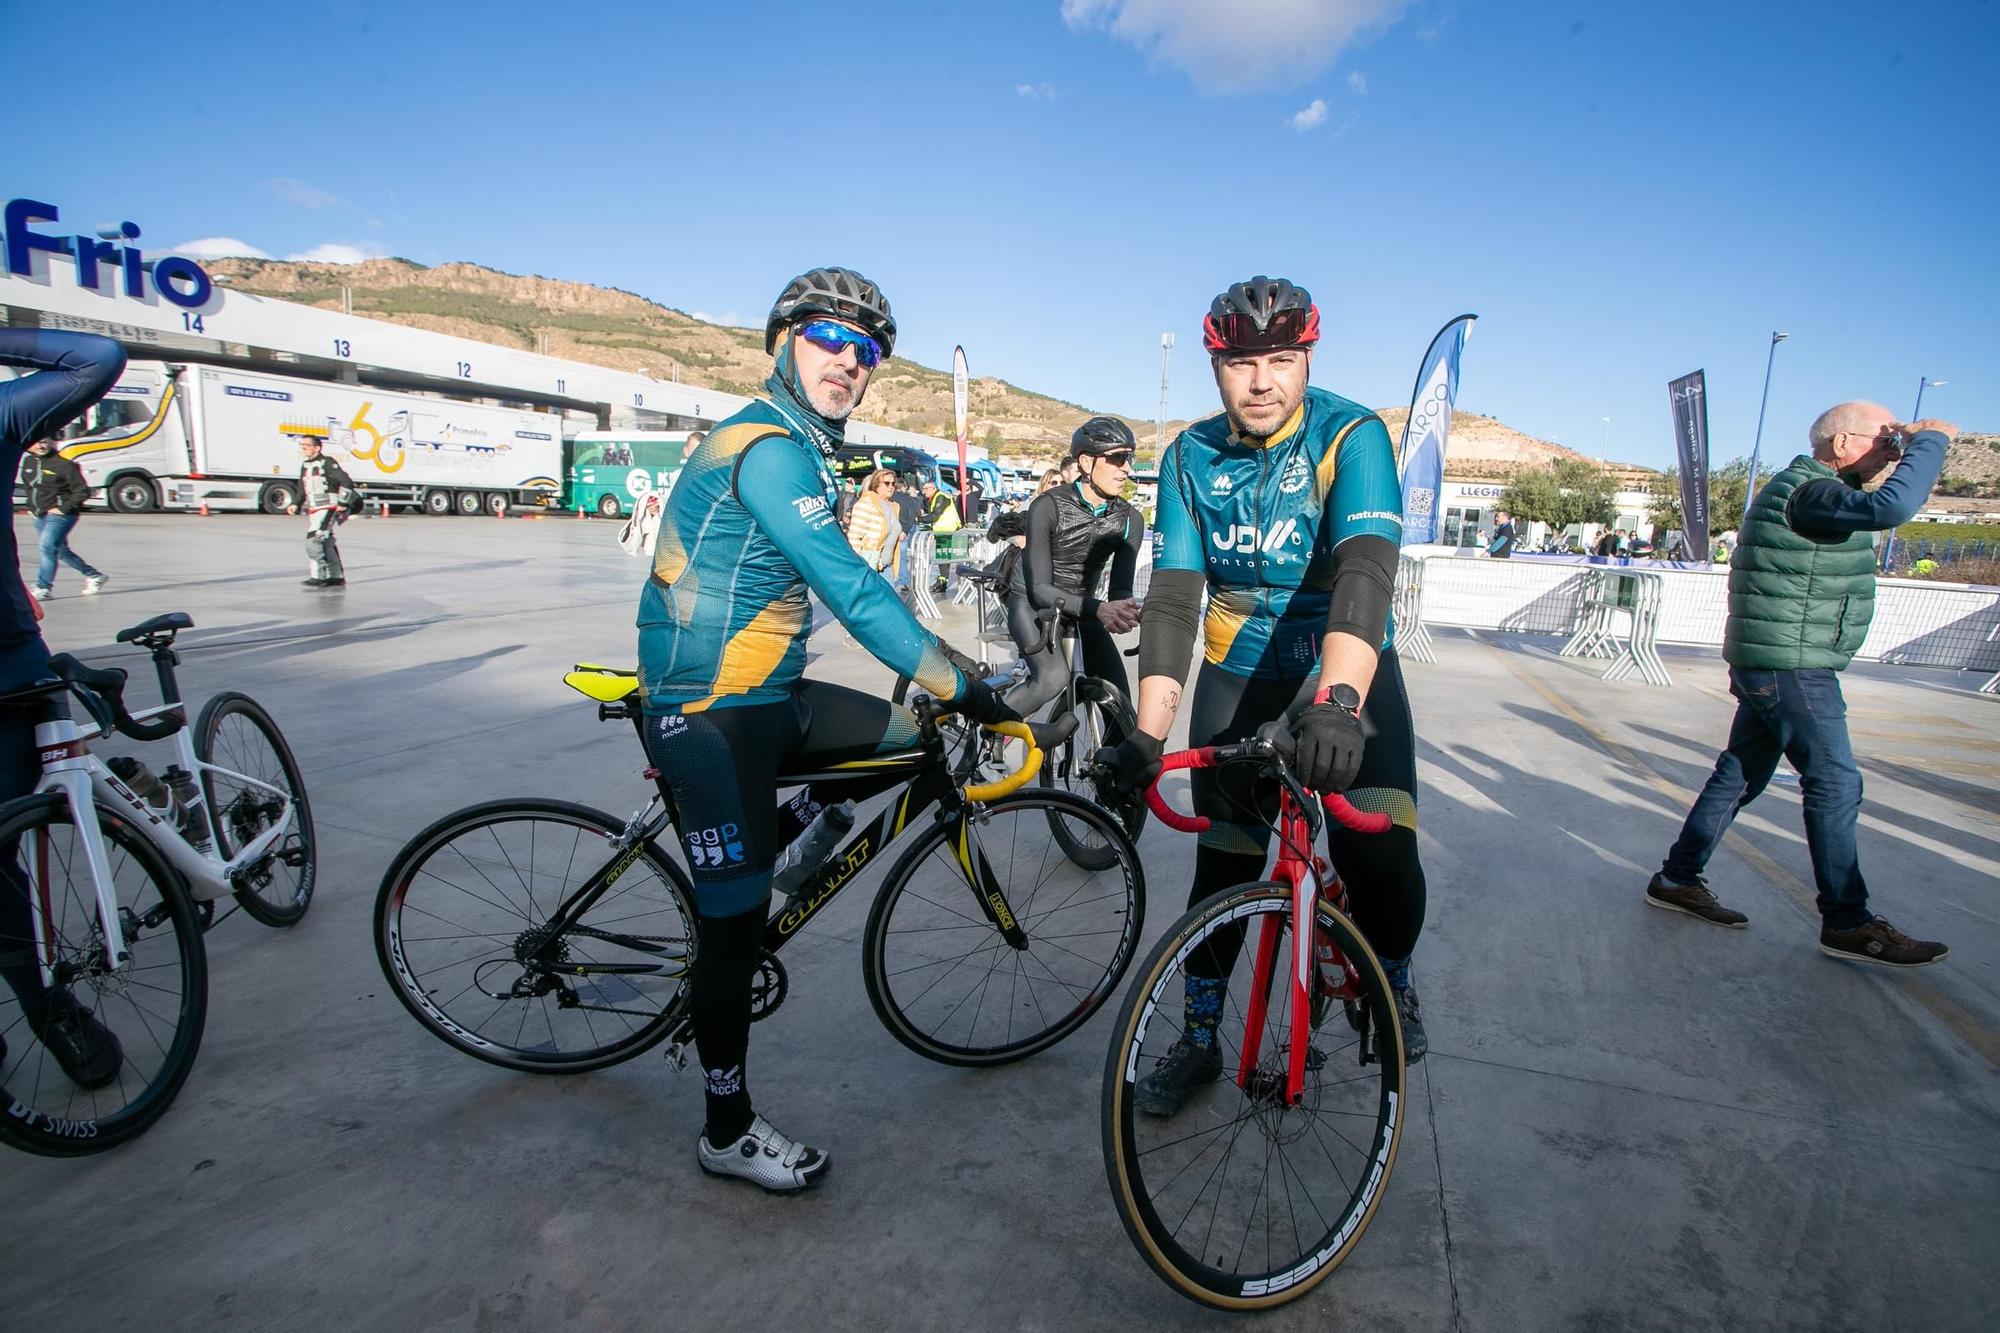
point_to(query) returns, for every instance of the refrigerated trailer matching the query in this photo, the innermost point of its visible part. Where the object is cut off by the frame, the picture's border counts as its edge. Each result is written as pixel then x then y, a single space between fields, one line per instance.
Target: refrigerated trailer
pixel 172 436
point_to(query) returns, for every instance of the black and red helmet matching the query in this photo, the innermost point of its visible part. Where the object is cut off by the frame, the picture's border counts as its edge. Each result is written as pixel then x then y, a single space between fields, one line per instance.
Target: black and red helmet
pixel 840 293
pixel 1261 315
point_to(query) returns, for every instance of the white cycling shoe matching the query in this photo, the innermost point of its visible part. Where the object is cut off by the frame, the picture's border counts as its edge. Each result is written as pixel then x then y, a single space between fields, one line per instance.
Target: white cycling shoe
pixel 764 1157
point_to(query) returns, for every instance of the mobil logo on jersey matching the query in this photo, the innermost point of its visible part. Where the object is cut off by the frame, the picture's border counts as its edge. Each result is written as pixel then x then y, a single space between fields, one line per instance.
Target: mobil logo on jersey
pixel 1249 539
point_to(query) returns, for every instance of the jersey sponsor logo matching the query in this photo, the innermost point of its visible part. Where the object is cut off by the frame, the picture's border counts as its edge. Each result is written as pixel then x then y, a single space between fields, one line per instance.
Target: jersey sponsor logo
pixel 1295 476
pixel 1376 515
pixel 810 506
pixel 1222 485
pixel 1245 539
pixel 718 846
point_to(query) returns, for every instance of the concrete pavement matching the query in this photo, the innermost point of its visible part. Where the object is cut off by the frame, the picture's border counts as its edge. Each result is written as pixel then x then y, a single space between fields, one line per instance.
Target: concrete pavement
pixel 1628 1119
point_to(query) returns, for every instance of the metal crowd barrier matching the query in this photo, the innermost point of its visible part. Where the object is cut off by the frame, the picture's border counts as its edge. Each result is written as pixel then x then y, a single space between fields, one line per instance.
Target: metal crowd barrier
pixel 1607 593
pixel 1413 641
pixel 920 566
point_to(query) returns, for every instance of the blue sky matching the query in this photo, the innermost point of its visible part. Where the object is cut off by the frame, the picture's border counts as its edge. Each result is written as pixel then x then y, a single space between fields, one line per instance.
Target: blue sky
pixel 1624 192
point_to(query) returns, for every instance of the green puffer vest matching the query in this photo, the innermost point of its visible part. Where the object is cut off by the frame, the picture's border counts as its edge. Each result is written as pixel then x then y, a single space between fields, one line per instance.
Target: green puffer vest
pixel 1796 601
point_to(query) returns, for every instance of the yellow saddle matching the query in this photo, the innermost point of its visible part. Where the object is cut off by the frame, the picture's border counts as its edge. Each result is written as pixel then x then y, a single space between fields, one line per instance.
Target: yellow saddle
pixel 605 684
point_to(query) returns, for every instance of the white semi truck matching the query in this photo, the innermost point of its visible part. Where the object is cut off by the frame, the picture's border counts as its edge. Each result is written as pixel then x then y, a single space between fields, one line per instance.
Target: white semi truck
pixel 172 436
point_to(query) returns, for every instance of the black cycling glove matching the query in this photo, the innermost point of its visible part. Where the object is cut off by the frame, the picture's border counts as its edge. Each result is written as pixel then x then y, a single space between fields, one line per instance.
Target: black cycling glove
pixel 982 705
pixel 1130 766
pixel 1327 742
pixel 968 668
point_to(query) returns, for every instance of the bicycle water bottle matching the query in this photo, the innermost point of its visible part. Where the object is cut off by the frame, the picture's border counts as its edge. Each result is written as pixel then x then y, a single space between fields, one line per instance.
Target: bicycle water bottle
pixel 180 785
pixel 142 782
pixel 803 857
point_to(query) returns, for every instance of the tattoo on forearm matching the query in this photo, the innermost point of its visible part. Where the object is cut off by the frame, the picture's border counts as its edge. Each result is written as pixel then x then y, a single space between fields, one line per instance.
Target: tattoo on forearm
pixel 1172 699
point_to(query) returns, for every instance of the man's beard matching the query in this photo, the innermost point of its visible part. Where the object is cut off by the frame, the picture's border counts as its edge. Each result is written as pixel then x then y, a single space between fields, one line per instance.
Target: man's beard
pixel 821 395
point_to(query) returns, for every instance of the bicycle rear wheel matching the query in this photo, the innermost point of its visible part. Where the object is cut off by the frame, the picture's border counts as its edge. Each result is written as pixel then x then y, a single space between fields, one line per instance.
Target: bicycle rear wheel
pixel 1238 1200
pixel 463 933
pixel 235 733
pixel 138 1025
pixel 942 977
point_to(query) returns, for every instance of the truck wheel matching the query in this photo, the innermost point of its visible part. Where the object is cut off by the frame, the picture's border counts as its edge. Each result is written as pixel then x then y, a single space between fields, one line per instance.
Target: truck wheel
pixel 469 503
pixel 497 504
pixel 437 503
pixel 277 497
pixel 608 507
pixel 132 493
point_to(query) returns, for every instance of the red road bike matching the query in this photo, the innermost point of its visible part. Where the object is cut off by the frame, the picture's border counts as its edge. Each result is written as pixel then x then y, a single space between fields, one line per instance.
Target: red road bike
pixel 1266 1178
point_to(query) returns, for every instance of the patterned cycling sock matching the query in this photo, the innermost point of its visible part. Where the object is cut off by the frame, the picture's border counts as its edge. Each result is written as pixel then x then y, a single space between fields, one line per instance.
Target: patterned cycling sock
pixel 1204 1009
pixel 1398 972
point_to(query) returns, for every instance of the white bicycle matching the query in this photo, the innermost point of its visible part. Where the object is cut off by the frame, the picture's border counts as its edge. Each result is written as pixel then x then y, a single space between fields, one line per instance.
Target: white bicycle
pixel 109 875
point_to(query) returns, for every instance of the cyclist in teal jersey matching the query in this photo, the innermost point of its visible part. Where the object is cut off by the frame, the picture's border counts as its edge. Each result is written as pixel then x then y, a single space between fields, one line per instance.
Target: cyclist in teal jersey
pixel 1286 510
pixel 723 619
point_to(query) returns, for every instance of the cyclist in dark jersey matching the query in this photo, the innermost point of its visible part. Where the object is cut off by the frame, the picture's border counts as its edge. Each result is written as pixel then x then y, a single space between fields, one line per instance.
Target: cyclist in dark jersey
pixel 70 371
pixel 723 619
pixel 1287 511
pixel 1073 532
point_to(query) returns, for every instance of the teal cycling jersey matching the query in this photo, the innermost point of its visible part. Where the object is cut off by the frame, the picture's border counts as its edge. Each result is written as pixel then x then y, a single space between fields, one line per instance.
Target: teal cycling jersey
pixel 1261 520
pixel 747 531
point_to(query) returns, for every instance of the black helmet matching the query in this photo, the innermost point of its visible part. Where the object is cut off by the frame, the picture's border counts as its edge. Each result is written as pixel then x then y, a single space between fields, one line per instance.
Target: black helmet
pixel 1101 435
pixel 1259 315
pixel 839 292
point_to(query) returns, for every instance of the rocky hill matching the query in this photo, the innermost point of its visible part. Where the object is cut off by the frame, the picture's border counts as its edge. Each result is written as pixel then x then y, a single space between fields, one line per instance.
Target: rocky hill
pixel 608 327
pixel 1972 467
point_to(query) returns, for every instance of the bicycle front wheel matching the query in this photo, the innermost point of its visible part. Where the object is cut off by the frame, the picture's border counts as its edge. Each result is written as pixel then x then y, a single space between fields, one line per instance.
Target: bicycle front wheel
pixel 235 733
pixel 1098 725
pixel 464 933
pixel 1238 1199
pixel 940 973
pixel 95 1058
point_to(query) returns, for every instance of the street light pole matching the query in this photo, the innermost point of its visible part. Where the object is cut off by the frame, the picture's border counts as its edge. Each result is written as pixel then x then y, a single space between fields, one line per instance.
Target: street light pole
pixel 1757 445
pixel 1604 451
pixel 1918 413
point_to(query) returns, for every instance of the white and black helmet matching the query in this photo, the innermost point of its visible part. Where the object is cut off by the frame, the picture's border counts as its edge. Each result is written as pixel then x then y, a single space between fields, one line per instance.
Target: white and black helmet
pixel 840 293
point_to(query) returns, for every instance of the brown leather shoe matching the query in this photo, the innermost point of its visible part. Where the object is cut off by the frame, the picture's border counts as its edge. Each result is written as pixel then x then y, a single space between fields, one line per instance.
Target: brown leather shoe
pixel 1693 899
pixel 1876 941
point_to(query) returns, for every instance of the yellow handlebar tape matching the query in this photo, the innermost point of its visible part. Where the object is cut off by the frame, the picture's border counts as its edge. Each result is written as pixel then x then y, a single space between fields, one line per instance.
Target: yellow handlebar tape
pixel 1021 777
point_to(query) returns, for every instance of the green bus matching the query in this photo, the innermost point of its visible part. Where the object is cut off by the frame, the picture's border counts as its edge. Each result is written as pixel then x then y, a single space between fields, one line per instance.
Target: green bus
pixel 609 471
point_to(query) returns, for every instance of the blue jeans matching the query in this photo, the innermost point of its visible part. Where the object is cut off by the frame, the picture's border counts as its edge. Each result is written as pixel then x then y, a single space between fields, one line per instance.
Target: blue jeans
pixel 1802 716
pixel 53 528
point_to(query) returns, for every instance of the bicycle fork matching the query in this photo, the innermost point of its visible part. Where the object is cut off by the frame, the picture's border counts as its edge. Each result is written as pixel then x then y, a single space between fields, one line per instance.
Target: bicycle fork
pixel 62 755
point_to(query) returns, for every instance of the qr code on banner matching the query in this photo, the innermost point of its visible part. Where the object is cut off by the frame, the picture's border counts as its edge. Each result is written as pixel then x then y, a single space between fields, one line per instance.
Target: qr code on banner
pixel 1419 501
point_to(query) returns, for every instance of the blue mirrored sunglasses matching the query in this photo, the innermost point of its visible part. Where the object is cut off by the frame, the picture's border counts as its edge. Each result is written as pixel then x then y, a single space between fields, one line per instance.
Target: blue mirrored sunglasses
pixel 831 337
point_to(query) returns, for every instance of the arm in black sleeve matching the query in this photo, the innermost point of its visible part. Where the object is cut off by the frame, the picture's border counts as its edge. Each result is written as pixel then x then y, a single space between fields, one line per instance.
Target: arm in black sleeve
pixel 1005 527
pixel 1364 584
pixel 1125 560
pixel 1166 634
pixel 71 489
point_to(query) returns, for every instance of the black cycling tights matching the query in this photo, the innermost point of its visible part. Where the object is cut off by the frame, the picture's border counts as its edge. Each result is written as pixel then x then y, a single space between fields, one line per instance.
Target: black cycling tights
pixel 1384 878
pixel 1048 671
pixel 720 771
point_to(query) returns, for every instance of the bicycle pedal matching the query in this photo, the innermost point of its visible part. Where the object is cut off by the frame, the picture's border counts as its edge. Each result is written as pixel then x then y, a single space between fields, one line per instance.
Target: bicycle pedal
pixel 676 1054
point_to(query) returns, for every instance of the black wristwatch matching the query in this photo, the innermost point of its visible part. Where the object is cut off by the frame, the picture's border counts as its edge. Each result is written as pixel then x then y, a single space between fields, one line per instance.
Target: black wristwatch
pixel 1342 696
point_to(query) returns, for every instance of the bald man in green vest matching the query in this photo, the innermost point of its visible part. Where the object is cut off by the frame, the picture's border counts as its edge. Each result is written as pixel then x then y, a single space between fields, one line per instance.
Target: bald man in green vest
pixel 1801 593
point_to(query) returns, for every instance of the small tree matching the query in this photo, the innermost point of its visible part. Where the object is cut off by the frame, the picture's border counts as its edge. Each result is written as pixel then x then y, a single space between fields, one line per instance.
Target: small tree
pixel 1728 488
pixel 1566 493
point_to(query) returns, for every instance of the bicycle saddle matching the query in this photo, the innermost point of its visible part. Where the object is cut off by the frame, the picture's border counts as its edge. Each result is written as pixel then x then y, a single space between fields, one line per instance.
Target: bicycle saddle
pixel 171 623
pixel 605 684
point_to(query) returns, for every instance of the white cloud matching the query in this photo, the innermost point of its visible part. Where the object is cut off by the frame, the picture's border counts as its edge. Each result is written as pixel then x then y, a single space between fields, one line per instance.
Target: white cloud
pixel 218 247
pixel 1241 46
pixel 299 194
pixel 334 252
pixel 1313 113
pixel 1035 92
pixel 1357 83
pixel 728 319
